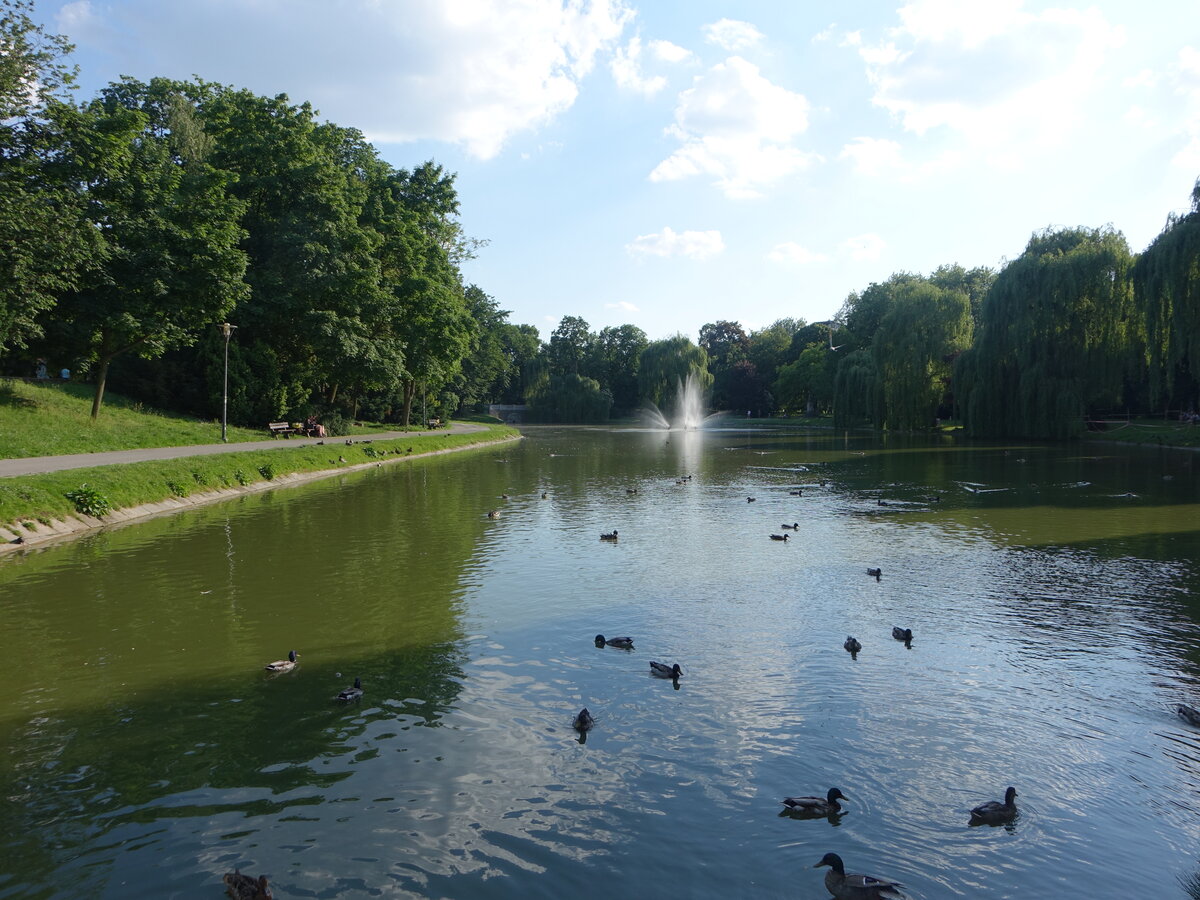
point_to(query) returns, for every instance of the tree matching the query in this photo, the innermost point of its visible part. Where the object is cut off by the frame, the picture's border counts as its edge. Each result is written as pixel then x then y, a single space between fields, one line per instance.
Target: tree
pixel 171 263
pixel 570 399
pixel 619 350
pixel 806 385
pixel 487 370
pixel 1166 286
pixel 45 242
pixel 922 332
pixel 570 347
pixel 1053 336
pixel 771 347
pixel 665 367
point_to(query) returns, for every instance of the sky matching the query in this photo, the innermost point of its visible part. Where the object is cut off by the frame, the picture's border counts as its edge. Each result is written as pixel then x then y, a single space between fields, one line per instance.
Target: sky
pixel 672 163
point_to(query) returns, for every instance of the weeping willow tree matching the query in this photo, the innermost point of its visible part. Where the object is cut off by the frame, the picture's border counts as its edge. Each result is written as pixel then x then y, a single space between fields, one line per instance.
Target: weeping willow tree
pixel 924 328
pixel 1053 337
pixel 1166 290
pixel 665 365
pixel 570 399
pixel 857 391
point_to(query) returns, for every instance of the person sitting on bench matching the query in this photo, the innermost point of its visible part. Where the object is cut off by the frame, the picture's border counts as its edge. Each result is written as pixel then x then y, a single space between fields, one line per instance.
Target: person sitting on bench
pixel 313 428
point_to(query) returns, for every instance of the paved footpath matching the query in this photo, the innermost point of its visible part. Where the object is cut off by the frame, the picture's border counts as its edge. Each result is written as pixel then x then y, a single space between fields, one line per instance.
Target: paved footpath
pixel 36 465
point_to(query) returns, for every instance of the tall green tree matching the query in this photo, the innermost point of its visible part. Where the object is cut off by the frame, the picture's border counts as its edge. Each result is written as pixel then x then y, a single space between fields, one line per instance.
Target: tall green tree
pixel 1166 287
pixel 171 263
pixel 619 350
pixel 665 367
pixel 920 335
pixel 45 241
pixel 570 349
pixel 1052 339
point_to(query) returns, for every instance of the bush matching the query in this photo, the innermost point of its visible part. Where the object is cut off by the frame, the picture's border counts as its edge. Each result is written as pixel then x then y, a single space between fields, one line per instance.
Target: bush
pixel 335 423
pixel 176 488
pixel 240 476
pixel 89 501
pixel 267 471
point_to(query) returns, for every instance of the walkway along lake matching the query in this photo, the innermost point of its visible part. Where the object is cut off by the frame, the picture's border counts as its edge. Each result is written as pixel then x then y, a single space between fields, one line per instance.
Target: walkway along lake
pixel 1053 594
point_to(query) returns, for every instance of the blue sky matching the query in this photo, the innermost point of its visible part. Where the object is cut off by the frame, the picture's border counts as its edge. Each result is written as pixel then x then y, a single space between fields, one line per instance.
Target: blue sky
pixel 676 162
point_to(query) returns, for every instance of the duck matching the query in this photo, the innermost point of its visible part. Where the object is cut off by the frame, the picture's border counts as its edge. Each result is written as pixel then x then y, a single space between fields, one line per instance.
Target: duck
pixel 994 812
pixel 875 573
pixel 1189 714
pixel 815 806
pixel 584 721
pixel 856 887
pixel 625 643
pixel 493 514
pixel 795 526
pixel 749 499
pixel 852 644
pixel 283 665
pixel 608 535
pixel 779 537
pixel 631 490
pixel 902 634
pixel 662 670
pixel 796 493
pixel 246 887
pixel 351 693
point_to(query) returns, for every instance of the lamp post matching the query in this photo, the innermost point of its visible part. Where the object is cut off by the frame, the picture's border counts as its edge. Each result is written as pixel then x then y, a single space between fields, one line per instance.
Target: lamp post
pixel 227 330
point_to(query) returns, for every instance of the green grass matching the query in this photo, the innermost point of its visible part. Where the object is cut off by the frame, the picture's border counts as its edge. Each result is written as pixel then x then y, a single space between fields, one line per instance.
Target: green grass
pixel 40 498
pixel 55 418
pixel 1155 432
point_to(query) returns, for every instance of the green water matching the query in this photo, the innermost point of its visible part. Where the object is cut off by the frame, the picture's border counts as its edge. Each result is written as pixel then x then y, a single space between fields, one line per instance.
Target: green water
pixel 1054 594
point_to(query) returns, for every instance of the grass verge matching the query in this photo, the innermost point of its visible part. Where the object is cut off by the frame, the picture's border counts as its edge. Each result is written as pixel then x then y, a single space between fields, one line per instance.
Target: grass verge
pixel 1153 432
pixel 29 499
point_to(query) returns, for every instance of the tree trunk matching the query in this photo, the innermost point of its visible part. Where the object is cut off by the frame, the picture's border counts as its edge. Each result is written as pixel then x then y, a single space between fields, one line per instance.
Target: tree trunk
pixel 101 378
pixel 333 394
pixel 410 391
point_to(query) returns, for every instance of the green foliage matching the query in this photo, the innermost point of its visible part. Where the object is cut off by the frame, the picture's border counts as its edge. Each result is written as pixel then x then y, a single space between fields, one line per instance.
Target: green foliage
pixel 89 501
pixel 1166 285
pixel 176 488
pixel 240 476
pixel 664 367
pixel 267 471
pixel 1053 337
pixel 570 399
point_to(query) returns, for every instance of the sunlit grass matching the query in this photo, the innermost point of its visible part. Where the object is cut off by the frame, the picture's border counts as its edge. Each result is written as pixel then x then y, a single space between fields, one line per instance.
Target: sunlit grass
pixel 28 499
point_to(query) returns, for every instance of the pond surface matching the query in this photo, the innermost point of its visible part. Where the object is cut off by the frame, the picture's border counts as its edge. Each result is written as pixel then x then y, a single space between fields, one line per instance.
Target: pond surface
pixel 1054 596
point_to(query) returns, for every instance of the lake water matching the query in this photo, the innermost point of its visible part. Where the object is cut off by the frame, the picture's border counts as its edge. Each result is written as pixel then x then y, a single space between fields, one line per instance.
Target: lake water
pixel 1053 592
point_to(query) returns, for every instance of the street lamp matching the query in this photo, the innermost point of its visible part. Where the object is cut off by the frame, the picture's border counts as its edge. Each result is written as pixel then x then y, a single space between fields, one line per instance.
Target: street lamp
pixel 227 330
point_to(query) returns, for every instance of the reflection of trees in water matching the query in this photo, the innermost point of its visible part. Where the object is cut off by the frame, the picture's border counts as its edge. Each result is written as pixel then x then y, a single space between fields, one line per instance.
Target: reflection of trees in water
pixel 249 744
pixel 1191 884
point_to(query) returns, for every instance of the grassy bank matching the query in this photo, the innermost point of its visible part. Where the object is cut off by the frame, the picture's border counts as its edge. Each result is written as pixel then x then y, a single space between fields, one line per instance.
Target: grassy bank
pixel 29 499
pixel 1153 432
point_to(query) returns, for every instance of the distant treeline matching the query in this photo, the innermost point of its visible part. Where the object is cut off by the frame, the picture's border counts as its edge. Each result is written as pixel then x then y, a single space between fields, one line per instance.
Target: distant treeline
pixel 133 225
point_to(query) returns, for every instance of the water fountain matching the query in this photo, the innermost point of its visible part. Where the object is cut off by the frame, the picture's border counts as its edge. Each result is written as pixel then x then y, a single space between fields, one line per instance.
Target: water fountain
pixel 687 413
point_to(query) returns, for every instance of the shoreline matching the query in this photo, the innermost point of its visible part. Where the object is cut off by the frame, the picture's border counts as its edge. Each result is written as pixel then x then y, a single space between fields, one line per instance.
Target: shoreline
pixel 79 524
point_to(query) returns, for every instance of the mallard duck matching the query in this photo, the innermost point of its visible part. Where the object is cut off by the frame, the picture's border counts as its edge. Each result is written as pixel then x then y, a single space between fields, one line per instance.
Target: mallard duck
pixel 902 634
pixel 245 887
pixel 994 812
pixel 795 526
pixel 493 514
pixel 852 644
pixel 749 499
pixel 625 643
pixel 1189 714
pixel 351 693
pixel 608 535
pixel 283 665
pixel 796 493
pixel 856 887
pixel 815 806
pixel 583 721
pixel 875 573
pixel 632 490
pixel 662 670
pixel 779 537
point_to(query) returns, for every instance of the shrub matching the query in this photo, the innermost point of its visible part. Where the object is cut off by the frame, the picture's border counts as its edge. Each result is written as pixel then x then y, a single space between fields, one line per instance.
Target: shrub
pixel 176 488
pixel 89 501
pixel 267 471
pixel 201 478
pixel 240 476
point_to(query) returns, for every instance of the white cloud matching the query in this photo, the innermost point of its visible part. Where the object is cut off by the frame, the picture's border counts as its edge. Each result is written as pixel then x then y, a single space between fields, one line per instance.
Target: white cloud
pixel 627 70
pixel 622 305
pixel 1008 81
pixel 732 34
pixel 668 52
pixel 692 244
pixel 873 156
pixel 463 71
pixel 864 246
pixel 737 127
pixel 791 252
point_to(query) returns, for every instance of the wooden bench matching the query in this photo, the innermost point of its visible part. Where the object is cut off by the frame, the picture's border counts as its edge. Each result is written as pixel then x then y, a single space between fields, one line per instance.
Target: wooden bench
pixel 278 428
pixel 434 423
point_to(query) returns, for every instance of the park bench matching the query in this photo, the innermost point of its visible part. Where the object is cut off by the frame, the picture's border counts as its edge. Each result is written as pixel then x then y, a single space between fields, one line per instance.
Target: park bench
pixel 278 428
pixel 434 423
